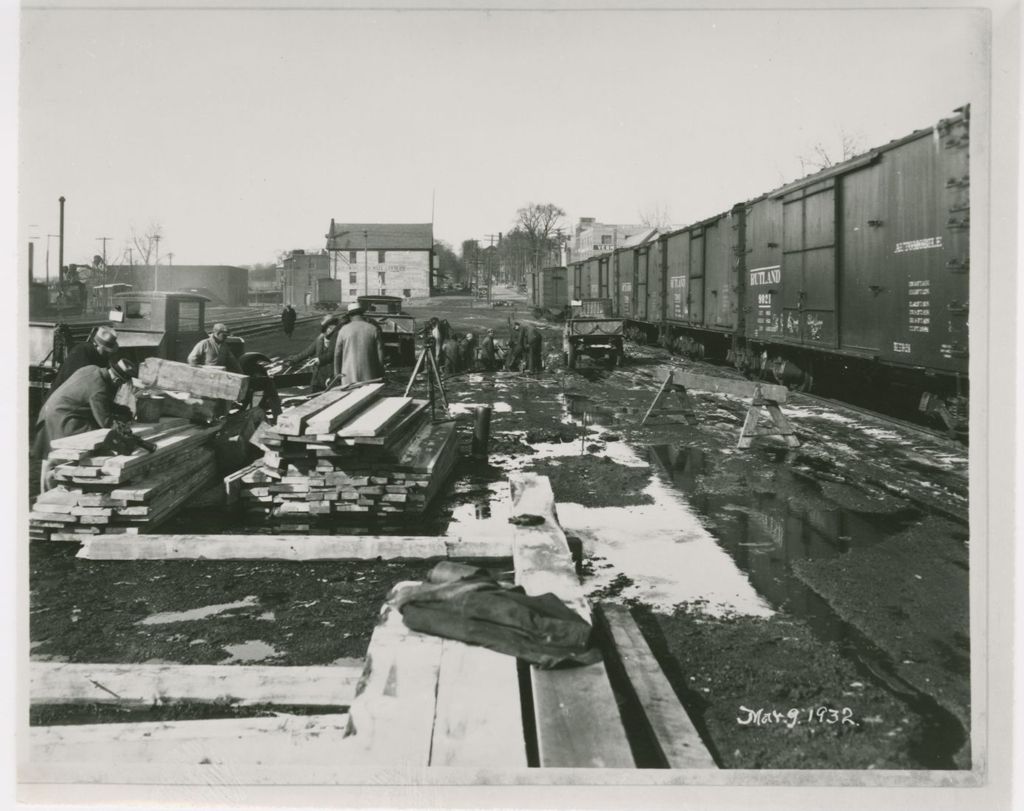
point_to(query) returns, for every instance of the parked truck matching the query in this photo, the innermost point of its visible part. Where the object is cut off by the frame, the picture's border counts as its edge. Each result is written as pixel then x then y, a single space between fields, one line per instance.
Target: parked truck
pixel 326 293
pixel 591 330
pixel 398 329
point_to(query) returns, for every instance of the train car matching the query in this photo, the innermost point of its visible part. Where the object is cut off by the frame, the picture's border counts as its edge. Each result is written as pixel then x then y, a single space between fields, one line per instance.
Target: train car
pixel 701 286
pixel 862 268
pixel 549 287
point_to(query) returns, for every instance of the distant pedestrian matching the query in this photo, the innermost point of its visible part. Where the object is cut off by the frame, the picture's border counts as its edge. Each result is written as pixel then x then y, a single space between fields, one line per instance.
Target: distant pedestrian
pixel 488 352
pixel 358 350
pixel 97 351
pixel 533 345
pixel 322 348
pixel 84 403
pixel 214 351
pixel 288 316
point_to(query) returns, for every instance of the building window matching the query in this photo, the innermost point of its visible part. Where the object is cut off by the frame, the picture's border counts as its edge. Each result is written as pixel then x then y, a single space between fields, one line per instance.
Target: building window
pixel 380 277
pixel 352 278
pixel 351 257
pixel 353 293
pixel 606 239
pixel 382 292
pixel 381 257
pixel 407 293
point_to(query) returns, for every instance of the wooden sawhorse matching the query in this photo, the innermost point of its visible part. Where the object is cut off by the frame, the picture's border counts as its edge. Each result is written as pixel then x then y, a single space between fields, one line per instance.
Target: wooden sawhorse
pixel 762 395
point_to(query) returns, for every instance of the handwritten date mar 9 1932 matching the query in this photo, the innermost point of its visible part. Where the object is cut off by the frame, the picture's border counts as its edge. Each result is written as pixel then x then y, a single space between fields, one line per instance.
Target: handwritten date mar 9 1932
pixel 794 716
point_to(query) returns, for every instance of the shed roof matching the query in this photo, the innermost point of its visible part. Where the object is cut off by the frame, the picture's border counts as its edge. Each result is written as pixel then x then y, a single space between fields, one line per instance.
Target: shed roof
pixel 380 236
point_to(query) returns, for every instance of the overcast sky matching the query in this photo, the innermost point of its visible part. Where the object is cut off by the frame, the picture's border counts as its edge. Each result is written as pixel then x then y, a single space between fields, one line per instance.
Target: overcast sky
pixel 242 133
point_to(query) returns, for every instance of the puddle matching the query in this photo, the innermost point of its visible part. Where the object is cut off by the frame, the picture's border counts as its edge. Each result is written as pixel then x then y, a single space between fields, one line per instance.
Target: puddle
pixel 197 613
pixel 252 650
pixel 468 408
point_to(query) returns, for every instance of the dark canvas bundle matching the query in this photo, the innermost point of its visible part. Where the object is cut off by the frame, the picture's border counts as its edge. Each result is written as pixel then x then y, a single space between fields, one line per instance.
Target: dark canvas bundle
pixel 459 602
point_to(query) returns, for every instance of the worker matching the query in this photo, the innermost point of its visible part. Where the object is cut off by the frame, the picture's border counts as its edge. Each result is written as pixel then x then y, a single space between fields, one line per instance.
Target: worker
pixel 487 352
pixel 84 403
pixel 97 351
pixel 516 347
pixel 533 343
pixel 214 351
pixel 288 316
pixel 359 349
pixel 467 352
pixel 322 349
pixel 451 363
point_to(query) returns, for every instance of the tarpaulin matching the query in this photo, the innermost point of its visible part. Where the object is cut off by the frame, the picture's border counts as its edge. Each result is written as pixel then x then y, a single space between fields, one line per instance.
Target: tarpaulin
pixel 467 604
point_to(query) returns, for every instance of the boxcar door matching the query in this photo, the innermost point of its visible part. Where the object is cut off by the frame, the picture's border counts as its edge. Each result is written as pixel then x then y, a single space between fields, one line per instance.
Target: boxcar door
pixel 640 284
pixel 695 289
pixel 809 264
pixel 602 278
pixel 865 294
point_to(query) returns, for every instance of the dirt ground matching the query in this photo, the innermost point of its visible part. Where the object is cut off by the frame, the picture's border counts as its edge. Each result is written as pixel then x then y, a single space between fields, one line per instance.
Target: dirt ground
pixel 855 544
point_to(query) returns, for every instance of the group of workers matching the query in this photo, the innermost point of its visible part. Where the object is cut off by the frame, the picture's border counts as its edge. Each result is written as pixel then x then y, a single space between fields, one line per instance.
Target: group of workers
pixel 348 348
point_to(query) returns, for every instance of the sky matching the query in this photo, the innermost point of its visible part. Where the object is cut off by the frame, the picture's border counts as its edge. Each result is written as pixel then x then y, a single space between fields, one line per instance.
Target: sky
pixel 241 133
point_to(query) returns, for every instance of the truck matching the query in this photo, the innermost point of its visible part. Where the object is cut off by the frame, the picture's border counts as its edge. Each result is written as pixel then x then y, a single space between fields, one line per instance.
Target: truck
pixel 591 330
pixel 152 324
pixel 398 329
pixel 326 293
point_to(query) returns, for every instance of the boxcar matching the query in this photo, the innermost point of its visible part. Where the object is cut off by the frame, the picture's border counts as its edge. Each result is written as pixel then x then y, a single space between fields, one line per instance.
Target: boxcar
pixel 701 285
pixel 549 288
pixel 866 260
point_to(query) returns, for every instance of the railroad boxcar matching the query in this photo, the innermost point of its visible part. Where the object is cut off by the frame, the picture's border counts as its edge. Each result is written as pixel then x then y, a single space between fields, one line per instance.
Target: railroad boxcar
pixel 549 288
pixel 865 263
pixel 700 286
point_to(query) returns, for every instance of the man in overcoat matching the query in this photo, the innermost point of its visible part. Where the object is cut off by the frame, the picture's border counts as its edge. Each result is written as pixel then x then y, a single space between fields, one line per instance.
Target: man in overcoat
pixel 359 350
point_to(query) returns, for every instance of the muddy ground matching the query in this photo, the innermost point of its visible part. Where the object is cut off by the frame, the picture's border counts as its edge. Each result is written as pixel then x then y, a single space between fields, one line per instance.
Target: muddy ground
pixel 826 582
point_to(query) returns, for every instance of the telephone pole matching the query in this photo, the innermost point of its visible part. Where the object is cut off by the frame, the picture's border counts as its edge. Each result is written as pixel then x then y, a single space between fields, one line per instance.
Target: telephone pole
pixel 490 270
pixel 106 290
pixel 156 264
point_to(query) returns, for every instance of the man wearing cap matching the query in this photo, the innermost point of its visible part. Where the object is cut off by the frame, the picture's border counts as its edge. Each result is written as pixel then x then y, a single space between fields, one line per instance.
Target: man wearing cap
pixel 214 351
pixel 84 403
pixel 97 351
pixel 487 352
pixel 359 350
pixel 322 349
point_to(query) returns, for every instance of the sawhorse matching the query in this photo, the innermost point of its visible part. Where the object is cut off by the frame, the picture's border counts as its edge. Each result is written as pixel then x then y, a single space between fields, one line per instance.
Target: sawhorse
pixel 762 395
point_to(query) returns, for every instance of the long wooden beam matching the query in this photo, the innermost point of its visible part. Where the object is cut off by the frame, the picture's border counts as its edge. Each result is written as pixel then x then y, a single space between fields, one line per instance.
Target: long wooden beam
pixel 676 738
pixel 576 715
pixel 728 385
pixel 145 685
pixel 289 547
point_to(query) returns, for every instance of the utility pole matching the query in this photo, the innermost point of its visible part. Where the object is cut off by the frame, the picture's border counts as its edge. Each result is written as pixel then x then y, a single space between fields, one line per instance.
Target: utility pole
pixel 60 250
pixel 490 270
pixel 106 290
pixel 156 264
pixel 170 258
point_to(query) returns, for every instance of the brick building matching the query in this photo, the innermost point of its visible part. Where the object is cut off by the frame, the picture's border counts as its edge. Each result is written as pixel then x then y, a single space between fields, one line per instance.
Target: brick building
pixel 389 259
pixel 300 271
pixel 592 237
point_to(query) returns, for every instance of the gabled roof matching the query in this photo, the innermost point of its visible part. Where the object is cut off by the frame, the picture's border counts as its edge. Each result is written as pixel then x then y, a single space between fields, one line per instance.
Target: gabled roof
pixel 380 236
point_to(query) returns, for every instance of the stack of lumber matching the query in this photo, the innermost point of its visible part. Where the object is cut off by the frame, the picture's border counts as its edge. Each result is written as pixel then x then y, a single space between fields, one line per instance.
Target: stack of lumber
pixel 342 452
pixel 172 389
pixel 127 493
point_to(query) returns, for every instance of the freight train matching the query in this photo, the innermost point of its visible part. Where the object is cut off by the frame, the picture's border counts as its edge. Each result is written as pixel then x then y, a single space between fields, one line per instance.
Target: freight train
pixel 859 271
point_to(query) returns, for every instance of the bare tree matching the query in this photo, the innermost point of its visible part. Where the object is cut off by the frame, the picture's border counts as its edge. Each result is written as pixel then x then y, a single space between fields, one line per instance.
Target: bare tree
pixel 821 156
pixel 656 215
pixel 540 222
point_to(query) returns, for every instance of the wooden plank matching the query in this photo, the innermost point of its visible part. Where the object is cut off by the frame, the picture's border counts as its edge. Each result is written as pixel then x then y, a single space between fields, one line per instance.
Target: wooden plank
pixel 671 729
pixel 202 381
pixel 269 547
pixel 341 411
pixel 292 421
pixel 271 741
pixel 478 721
pixel 576 715
pixel 375 420
pixel 391 719
pixel 89 440
pixel 728 385
pixel 123 468
pixel 239 685
pixel 148 487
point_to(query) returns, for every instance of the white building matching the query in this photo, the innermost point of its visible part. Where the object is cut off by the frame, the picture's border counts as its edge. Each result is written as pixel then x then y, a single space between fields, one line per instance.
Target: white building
pixel 381 259
pixel 593 237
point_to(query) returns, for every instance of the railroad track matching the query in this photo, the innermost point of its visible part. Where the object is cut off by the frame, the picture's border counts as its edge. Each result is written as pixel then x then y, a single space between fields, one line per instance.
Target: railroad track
pixel 909 425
